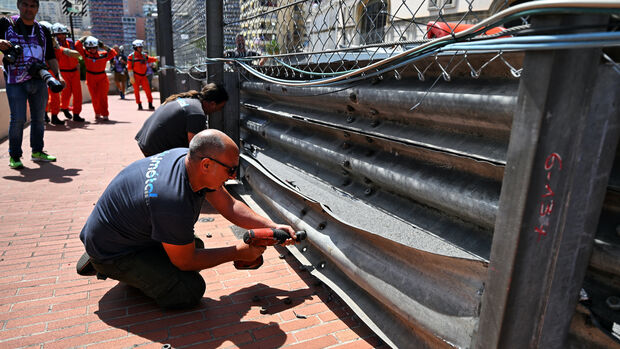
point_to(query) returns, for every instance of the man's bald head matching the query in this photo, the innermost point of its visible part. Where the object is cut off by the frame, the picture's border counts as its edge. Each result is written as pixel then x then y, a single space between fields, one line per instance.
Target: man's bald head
pixel 211 143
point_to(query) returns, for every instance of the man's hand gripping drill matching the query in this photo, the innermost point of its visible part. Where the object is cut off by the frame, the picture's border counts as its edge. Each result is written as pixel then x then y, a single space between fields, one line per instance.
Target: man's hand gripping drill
pixel 266 237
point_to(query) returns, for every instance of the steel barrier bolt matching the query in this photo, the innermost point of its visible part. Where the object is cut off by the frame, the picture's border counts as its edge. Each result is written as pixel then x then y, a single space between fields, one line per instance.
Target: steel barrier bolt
pixel 303 211
pixel 350 119
pixel 368 191
pixel 322 226
pixel 346 163
pixel 322 265
pixel 613 302
pixel 353 97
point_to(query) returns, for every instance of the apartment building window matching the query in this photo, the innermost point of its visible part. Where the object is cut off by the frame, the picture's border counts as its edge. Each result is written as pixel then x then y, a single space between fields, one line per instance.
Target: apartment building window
pixel 441 4
pixel 373 20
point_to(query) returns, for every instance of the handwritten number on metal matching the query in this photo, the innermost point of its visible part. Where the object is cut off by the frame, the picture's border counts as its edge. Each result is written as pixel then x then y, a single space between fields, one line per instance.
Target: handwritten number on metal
pixel 553 162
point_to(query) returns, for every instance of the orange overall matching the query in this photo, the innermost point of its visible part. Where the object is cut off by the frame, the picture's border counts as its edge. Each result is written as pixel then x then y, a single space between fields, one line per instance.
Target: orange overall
pixel 70 71
pixel 53 99
pixel 96 77
pixel 137 62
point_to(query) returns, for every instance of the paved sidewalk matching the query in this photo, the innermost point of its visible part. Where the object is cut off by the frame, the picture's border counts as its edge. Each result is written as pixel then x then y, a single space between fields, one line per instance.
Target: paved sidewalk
pixel 44 303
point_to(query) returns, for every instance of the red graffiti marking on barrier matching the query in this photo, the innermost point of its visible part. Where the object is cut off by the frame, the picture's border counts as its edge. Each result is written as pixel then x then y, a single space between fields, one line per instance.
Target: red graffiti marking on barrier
pixel 547 202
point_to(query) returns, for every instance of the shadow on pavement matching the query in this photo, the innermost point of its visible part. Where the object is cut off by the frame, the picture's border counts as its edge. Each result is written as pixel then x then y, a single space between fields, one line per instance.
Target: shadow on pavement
pixel 211 323
pixel 46 170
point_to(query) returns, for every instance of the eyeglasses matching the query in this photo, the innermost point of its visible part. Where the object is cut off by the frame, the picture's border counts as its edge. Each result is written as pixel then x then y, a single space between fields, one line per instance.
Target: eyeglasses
pixel 231 170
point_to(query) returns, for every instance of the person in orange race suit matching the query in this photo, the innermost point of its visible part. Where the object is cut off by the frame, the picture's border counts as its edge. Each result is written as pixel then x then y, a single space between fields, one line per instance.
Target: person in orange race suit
pixel 136 65
pixel 53 99
pixel 70 70
pixel 96 55
pixel 53 104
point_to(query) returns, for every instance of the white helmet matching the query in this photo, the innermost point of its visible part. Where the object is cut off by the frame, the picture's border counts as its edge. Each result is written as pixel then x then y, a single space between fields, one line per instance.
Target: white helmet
pixel 59 28
pixel 137 43
pixel 91 41
pixel 47 25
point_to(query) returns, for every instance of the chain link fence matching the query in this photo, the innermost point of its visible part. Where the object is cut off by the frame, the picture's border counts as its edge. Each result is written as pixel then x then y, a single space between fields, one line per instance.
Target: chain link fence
pixel 327 41
pixel 314 34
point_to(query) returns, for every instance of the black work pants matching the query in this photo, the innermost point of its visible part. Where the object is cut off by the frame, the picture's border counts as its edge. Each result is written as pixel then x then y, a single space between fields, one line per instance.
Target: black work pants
pixel 151 272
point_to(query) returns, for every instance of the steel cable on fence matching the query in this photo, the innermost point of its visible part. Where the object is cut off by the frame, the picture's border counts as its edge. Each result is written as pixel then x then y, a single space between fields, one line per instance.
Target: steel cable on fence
pixel 491 22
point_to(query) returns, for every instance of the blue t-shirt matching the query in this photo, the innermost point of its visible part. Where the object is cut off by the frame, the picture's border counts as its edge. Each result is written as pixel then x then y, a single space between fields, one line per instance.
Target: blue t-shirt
pixel 147 203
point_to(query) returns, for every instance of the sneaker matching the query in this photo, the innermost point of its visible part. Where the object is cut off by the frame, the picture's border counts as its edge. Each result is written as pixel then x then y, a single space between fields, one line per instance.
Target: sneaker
pixel 15 163
pixel 151 107
pixel 56 120
pixel 42 156
pixel 122 95
pixel 140 106
pixel 77 118
pixel 67 113
pixel 46 118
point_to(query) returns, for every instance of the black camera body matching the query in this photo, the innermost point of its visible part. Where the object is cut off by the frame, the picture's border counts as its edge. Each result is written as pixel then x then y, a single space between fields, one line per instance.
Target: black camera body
pixel 39 70
pixel 12 54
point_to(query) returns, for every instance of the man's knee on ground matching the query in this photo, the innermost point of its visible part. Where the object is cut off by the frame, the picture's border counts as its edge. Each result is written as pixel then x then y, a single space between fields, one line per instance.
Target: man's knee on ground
pixel 185 293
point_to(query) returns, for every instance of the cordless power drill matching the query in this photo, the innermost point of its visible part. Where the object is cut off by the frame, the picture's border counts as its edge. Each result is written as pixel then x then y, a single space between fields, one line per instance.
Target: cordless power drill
pixel 265 237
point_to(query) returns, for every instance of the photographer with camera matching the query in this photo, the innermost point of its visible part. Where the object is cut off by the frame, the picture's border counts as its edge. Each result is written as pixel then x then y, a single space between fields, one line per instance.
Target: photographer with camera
pixel 27 46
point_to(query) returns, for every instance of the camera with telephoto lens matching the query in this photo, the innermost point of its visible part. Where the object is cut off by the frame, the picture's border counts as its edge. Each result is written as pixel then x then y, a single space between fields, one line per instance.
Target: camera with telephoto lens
pixel 39 70
pixel 12 53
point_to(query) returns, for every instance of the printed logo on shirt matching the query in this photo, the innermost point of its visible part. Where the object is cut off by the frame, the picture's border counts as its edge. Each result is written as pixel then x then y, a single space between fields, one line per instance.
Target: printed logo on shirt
pixel 151 176
pixel 182 102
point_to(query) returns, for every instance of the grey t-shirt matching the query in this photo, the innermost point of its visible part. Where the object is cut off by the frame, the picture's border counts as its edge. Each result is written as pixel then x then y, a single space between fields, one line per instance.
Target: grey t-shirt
pixel 147 203
pixel 167 128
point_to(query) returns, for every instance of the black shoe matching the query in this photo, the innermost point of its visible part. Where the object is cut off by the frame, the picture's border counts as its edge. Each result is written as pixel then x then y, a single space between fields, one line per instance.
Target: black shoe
pixel 77 118
pixel 47 118
pixel 56 120
pixel 140 106
pixel 151 107
pixel 67 114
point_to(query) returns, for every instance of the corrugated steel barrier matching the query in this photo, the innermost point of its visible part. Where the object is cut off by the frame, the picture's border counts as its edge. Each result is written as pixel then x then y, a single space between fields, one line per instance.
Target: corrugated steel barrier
pixel 400 205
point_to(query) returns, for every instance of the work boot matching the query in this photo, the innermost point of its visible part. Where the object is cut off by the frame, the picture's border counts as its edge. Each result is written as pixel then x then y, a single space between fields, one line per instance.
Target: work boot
pixel 151 107
pixel 122 95
pixel 77 118
pixel 46 118
pixel 140 106
pixel 56 120
pixel 67 113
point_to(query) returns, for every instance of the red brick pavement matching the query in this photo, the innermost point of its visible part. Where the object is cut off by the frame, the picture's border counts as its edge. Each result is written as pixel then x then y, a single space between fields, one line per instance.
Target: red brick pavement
pixel 44 303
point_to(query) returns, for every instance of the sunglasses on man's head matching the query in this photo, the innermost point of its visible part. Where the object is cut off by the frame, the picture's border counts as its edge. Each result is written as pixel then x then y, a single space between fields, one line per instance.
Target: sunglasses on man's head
pixel 231 170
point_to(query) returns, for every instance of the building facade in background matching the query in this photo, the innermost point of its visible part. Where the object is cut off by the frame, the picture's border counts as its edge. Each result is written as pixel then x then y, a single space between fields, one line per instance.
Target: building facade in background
pixel 107 21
